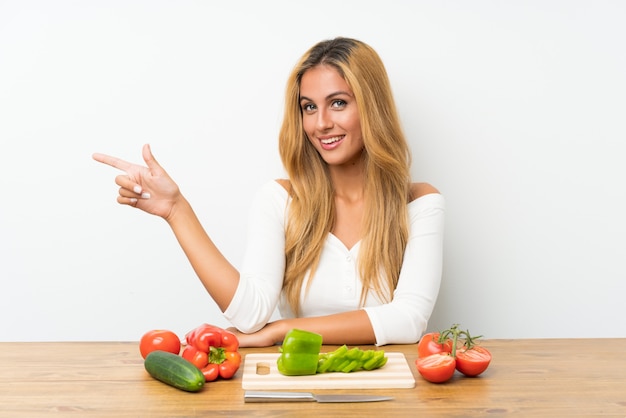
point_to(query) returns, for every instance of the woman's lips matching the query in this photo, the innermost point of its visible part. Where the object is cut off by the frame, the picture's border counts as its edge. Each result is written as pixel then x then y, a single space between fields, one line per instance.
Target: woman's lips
pixel 331 142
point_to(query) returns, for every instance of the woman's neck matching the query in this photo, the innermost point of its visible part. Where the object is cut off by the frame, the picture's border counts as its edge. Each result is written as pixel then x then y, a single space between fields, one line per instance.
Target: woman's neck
pixel 348 182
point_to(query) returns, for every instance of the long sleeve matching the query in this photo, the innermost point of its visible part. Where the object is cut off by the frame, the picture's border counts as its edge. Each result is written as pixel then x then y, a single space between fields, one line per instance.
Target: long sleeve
pixel 336 286
pixel 263 269
pixel 404 319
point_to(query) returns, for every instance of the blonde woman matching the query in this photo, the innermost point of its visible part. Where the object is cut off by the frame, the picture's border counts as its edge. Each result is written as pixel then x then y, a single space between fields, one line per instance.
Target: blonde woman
pixel 347 246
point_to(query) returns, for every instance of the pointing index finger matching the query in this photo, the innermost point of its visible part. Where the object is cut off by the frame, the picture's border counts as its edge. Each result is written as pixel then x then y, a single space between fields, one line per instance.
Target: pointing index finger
pixel 112 161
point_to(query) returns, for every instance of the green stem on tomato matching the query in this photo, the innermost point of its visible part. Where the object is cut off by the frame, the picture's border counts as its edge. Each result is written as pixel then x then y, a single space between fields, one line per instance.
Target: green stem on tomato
pixel 453 333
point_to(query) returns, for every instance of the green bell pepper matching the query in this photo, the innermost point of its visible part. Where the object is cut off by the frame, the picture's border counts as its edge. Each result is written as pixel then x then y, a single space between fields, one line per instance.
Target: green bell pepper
pixel 351 360
pixel 300 356
pixel 299 353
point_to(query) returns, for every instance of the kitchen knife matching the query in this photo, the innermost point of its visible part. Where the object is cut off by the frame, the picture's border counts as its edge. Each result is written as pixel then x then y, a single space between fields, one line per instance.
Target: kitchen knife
pixel 262 396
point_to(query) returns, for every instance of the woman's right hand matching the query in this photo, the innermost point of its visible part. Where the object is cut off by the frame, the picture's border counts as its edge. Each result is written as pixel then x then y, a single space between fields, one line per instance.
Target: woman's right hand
pixel 147 188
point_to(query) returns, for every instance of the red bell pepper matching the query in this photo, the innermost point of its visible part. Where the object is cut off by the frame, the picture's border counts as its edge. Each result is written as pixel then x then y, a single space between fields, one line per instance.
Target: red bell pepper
pixel 214 351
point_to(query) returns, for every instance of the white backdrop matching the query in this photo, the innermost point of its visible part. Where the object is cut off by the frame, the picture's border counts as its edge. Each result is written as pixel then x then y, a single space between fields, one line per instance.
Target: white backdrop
pixel 514 110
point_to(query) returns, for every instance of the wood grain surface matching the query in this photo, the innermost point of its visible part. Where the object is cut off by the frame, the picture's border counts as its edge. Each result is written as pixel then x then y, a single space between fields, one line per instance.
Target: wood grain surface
pixel 527 378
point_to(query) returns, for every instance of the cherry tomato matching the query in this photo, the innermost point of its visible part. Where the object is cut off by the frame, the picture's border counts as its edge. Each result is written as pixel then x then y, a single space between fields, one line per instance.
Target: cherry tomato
pixel 159 339
pixel 436 368
pixel 474 361
pixel 428 345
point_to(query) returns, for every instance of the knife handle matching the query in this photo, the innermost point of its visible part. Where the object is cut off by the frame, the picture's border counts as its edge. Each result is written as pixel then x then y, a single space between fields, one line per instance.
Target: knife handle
pixel 262 396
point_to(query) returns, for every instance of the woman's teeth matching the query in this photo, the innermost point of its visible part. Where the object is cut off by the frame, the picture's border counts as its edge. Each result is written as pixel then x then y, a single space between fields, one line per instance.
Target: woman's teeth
pixel 331 140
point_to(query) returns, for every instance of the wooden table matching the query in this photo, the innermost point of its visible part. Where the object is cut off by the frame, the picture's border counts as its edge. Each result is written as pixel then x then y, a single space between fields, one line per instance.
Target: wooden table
pixel 547 377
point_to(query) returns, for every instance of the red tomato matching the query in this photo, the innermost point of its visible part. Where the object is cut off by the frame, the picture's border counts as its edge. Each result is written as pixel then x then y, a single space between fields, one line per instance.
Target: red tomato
pixel 428 345
pixel 159 339
pixel 474 361
pixel 436 368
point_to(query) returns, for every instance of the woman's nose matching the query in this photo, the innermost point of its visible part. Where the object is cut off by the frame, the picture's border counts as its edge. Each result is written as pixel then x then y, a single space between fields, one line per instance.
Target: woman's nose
pixel 324 120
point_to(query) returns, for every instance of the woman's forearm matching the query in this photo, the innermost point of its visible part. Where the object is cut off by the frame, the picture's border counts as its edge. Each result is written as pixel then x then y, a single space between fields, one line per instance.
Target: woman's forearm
pixel 351 328
pixel 218 276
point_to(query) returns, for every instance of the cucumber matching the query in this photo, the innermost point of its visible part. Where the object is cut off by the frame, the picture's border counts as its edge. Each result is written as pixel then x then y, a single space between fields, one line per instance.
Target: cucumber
pixel 174 370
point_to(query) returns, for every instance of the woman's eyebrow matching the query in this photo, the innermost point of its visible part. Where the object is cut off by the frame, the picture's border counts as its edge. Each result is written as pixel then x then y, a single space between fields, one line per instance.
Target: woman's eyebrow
pixel 331 95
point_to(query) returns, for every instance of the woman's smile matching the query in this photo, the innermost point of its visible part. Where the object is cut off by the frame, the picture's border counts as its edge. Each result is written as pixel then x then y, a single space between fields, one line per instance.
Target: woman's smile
pixel 331 142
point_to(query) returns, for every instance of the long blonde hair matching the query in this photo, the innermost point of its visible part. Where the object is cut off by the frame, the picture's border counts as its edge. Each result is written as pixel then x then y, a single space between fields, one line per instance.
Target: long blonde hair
pixel 387 171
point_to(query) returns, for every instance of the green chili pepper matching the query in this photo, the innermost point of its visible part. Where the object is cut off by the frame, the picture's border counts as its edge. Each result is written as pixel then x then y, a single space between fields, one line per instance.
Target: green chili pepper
pixel 299 353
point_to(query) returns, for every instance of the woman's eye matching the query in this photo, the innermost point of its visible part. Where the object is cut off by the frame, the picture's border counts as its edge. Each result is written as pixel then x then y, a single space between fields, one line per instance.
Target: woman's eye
pixel 338 103
pixel 308 107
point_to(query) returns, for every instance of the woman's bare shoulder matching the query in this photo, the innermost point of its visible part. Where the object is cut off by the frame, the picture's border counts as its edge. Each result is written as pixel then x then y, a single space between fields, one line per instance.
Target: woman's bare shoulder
pixel 422 189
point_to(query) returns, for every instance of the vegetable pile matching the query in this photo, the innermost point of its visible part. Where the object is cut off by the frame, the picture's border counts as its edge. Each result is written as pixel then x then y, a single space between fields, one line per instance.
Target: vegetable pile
pixel 440 355
pixel 210 353
pixel 300 356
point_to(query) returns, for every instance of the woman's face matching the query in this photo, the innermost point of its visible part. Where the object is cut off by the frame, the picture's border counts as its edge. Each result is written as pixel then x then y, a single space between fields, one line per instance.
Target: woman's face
pixel 330 116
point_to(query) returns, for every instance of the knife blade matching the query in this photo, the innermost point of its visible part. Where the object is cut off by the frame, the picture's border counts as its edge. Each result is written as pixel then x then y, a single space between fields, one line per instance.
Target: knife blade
pixel 265 396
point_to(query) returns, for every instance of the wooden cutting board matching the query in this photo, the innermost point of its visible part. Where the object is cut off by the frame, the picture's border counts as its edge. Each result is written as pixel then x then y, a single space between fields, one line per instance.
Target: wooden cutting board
pixel 395 374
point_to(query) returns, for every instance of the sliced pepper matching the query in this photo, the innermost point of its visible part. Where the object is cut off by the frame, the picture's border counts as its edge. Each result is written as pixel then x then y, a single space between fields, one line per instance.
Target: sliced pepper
pixel 351 360
pixel 214 351
pixel 300 356
pixel 299 353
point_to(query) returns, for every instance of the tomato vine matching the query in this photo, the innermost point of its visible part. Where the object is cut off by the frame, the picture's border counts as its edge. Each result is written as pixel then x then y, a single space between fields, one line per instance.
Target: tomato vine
pixel 453 333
